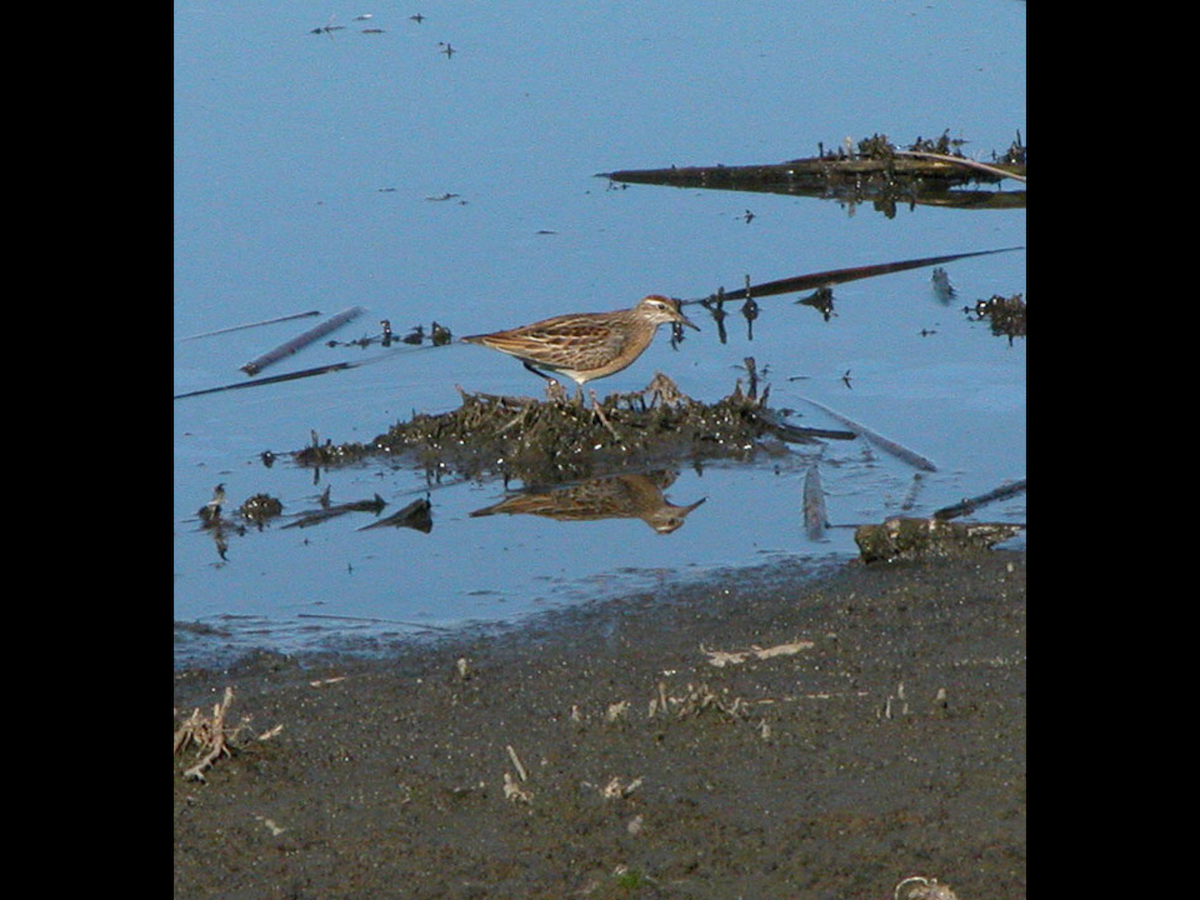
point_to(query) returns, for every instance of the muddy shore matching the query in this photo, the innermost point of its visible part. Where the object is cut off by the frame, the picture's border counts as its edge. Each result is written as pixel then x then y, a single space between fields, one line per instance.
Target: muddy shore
pixel 761 735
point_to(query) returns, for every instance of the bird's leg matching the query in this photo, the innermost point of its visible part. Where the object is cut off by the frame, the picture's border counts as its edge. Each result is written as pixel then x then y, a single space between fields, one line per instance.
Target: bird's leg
pixel 599 411
pixel 554 390
pixel 536 371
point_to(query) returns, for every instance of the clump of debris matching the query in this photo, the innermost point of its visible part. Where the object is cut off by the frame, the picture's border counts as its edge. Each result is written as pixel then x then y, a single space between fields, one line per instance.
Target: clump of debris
pixel 1006 314
pixel 212 735
pixel 907 538
pixel 561 439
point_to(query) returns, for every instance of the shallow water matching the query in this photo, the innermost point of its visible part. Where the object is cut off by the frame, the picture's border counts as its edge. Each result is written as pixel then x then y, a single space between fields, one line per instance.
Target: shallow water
pixel 304 168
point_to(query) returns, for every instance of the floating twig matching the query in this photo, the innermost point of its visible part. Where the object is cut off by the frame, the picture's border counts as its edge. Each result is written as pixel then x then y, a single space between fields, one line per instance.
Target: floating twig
pixel 300 342
pixel 196 337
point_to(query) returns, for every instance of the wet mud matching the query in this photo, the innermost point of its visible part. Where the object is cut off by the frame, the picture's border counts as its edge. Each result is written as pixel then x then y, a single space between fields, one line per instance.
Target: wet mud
pixel 765 734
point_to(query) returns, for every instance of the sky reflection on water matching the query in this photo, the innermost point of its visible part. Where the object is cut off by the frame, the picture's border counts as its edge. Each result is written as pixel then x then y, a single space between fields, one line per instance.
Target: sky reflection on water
pixel 305 166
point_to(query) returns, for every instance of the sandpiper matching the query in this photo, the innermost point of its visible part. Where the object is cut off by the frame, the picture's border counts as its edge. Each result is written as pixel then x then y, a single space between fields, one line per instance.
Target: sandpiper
pixel 584 346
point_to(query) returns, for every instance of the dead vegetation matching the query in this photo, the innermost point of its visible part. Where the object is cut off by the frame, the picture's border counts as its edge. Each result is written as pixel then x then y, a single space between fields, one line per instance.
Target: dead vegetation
pixel 212 736
pixel 1006 315
pixel 722 658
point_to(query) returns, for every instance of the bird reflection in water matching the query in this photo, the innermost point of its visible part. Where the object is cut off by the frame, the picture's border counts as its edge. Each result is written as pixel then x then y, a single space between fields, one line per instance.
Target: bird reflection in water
pixel 638 496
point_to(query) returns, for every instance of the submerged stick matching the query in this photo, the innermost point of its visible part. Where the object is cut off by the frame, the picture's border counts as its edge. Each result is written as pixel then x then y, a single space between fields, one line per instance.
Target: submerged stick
pixel 814 504
pixel 303 315
pixel 964 507
pixel 298 343
pixel 900 452
pixel 374 620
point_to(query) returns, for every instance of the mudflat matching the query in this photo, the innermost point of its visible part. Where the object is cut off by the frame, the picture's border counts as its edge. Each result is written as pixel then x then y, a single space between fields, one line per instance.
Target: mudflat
pixel 763 734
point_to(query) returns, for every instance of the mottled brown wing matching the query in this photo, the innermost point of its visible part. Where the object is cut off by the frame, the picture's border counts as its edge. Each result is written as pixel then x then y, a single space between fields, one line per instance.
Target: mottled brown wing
pixel 576 342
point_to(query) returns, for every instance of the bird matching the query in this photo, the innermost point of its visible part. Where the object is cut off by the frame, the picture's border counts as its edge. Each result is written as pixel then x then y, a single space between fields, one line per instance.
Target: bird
pixel 585 346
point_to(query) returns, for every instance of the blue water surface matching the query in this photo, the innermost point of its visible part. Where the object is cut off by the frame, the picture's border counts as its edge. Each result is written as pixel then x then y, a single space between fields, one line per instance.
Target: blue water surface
pixel 324 171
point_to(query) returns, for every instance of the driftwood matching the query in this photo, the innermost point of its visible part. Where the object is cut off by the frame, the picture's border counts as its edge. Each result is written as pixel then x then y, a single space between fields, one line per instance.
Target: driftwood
pixel 837 276
pixel 319 516
pixel 874 170
pixel 416 516
pixel 817 173
pixel 964 507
